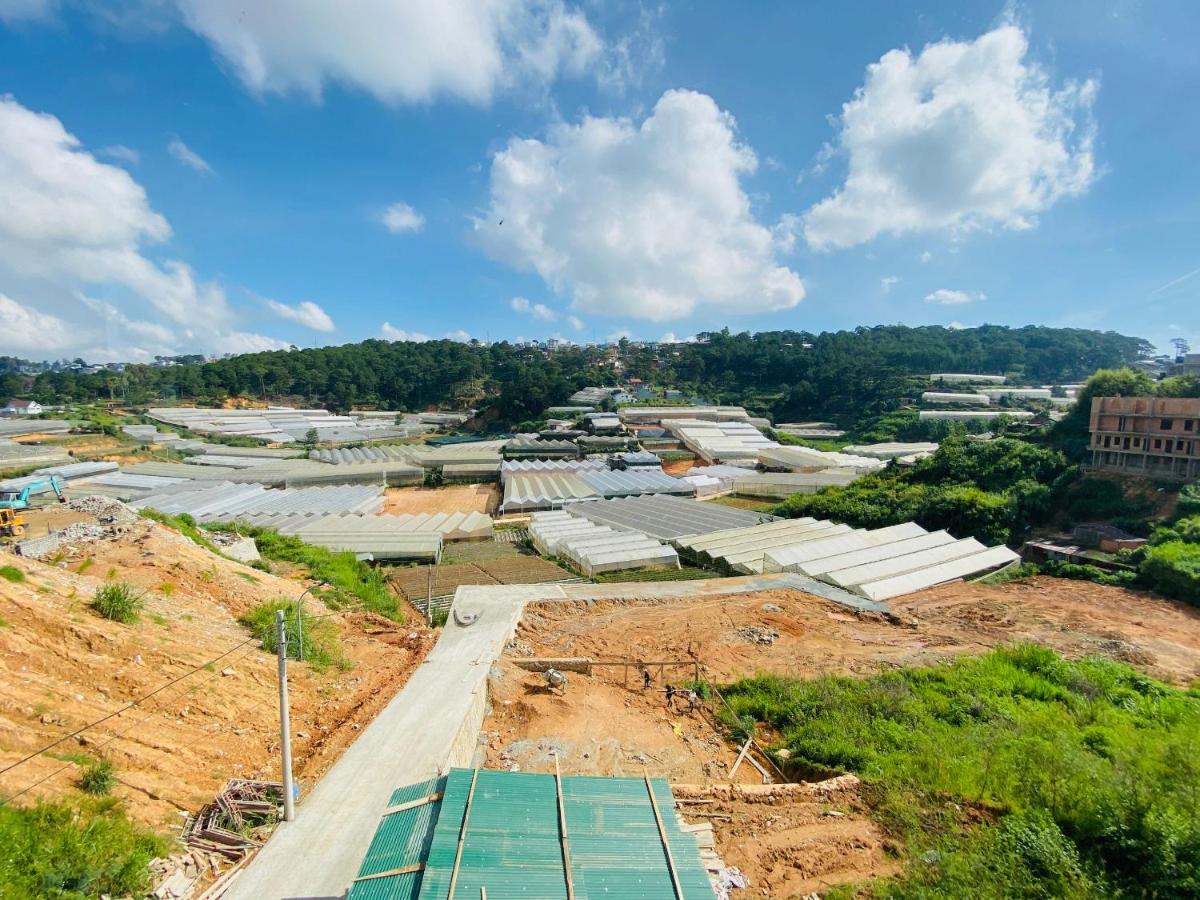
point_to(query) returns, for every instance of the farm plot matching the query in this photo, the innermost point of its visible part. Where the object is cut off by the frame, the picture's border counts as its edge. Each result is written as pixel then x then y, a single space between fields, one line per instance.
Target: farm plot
pixel 481 498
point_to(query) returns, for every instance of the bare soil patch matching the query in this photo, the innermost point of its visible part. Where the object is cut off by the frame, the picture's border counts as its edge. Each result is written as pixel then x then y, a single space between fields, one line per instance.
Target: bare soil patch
pixel 483 498
pixel 63 666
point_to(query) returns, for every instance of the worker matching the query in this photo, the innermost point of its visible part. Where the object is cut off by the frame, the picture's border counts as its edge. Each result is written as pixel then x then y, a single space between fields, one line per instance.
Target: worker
pixel 645 679
pixel 671 697
pixel 693 700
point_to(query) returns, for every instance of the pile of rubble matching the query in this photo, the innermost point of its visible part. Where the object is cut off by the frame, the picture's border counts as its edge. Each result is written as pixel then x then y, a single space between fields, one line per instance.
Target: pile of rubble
pixel 237 820
pixel 106 510
pixel 112 520
pixel 176 877
pixel 758 634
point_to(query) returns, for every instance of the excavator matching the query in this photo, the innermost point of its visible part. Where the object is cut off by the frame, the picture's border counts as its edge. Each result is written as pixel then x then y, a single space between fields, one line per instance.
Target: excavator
pixel 14 499
pixel 12 523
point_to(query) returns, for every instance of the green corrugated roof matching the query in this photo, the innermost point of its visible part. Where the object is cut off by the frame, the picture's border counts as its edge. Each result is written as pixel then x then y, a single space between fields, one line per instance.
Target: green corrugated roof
pixel 402 840
pixel 513 847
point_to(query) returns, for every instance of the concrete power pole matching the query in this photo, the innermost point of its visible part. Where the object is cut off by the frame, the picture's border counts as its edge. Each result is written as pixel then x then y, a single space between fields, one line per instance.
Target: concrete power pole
pixel 285 725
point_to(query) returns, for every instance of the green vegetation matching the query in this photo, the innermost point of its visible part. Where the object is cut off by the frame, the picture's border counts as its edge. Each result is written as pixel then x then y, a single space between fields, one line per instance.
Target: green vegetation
pixel 97 777
pixel 1189 501
pixel 322 648
pixel 990 490
pixel 686 573
pixel 351 582
pixel 1104 499
pixel 118 601
pixel 69 851
pixel 12 573
pixel 789 375
pixel 1173 568
pixel 1013 774
pixel 185 525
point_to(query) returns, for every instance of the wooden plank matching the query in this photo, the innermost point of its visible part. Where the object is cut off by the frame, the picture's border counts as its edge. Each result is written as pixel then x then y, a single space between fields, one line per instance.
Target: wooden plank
pixel 403 870
pixel 741 756
pixel 562 831
pixel 413 804
pixel 662 834
pixel 462 835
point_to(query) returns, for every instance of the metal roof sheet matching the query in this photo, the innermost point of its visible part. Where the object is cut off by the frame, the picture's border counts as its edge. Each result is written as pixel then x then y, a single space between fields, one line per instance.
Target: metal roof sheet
pixel 665 516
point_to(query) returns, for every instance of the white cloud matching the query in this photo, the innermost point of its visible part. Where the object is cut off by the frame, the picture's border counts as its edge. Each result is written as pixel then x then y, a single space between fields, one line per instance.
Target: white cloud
pixel 671 338
pixel 246 342
pixel 306 313
pixel 400 218
pixel 948 297
pixel 575 322
pixel 620 333
pixel 70 223
pixel 27 331
pixel 957 326
pixel 27 10
pixel 188 157
pixel 458 335
pixel 539 311
pixel 888 282
pixel 926 256
pixel 648 220
pixel 397 51
pixel 121 153
pixel 390 333
pixel 964 135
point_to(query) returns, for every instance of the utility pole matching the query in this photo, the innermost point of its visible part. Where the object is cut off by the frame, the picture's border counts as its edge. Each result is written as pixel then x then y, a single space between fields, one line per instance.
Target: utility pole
pixel 285 725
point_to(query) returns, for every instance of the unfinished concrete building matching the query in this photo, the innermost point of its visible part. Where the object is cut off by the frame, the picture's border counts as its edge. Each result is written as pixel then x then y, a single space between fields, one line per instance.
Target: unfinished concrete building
pixel 1156 437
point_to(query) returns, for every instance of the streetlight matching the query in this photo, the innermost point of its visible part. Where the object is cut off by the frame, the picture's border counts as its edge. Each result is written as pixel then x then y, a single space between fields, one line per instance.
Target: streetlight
pixel 300 618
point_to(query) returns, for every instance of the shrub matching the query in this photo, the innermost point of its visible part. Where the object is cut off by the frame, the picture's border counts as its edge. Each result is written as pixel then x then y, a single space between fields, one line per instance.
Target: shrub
pixel 322 648
pixel 97 777
pixel 74 851
pixel 118 601
pixel 12 573
pixel 1188 503
pixel 1173 568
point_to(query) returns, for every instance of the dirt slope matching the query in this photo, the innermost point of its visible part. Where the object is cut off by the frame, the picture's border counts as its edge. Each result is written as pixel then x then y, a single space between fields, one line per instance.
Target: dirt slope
pixel 62 666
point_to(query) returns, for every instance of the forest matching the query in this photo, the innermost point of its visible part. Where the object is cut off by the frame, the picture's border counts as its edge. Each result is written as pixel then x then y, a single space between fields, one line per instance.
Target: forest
pixel 845 375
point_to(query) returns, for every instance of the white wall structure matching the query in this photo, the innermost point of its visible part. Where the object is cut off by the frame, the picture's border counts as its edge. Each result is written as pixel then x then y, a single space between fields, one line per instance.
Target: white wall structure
pixel 947 398
pixel 974 414
pixel 966 378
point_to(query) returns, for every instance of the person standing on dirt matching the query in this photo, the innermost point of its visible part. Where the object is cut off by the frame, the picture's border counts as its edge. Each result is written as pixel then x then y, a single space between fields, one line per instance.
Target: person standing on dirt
pixel 671 697
pixel 645 679
pixel 693 701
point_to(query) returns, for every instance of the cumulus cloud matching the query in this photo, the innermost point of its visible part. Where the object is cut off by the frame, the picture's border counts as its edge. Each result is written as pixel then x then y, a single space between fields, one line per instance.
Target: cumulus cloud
pixel 888 282
pixel 69 222
pixel 642 219
pixel 389 332
pixel 398 52
pixel 671 337
pixel 964 135
pixel 539 311
pixel 459 334
pixel 947 297
pixel 26 330
pixel 400 218
pixel 306 313
pixel 575 322
pixel 185 155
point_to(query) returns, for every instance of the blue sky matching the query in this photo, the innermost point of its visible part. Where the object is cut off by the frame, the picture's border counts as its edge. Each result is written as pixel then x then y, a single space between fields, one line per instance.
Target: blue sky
pixel 187 175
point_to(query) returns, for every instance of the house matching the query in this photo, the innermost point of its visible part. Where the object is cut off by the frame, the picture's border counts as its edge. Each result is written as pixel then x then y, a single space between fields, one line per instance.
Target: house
pixel 22 408
pixel 1154 437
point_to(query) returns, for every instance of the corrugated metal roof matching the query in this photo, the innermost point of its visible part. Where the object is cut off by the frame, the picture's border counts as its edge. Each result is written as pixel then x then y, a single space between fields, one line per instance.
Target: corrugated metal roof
pixel 512 844
pixel 227 501
pixel 402 841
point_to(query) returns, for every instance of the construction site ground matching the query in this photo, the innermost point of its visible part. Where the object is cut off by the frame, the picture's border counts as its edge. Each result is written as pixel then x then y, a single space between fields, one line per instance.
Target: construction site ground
pixel 482 498
pixel 63 666
pixel 603 725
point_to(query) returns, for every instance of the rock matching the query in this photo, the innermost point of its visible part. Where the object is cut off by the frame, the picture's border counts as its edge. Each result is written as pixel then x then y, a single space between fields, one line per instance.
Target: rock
pixel 229 673
pixel 772 607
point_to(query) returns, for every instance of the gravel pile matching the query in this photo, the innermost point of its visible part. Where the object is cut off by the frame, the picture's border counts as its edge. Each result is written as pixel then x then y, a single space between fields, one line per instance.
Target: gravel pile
pixel 757 634
pixel 105 509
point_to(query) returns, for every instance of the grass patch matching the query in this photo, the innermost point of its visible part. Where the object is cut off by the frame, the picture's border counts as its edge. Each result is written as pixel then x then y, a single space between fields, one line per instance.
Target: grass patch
pixel 351 582
pixel 12 573
pixel 1012 774
pixel 185 525
pixel 85 565
pixel 687 573
pixel 72 851
pixel 97 777
pixel 322 647
pixel 118 601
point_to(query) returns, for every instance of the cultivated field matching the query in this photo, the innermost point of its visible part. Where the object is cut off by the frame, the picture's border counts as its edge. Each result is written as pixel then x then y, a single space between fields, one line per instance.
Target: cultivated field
pixel 483 498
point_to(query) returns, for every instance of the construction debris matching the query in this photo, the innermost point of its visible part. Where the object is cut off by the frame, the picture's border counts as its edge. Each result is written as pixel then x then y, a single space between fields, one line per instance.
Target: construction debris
pixel 758 634
pixel 237 820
